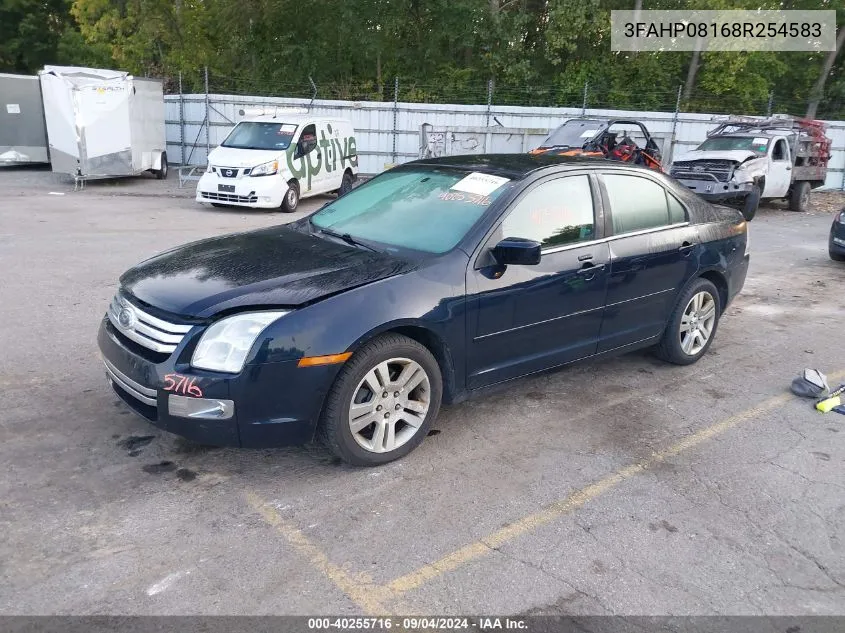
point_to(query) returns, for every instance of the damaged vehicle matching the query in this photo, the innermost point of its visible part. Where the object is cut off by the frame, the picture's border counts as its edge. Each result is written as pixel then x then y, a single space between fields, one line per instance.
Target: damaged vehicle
pixel 425 285
pixel 744 161
pixel 624 140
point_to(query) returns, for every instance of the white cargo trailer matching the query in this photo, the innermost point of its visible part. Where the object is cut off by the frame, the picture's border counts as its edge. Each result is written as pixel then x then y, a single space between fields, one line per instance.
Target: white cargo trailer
pixel 103 123
pixel 23 137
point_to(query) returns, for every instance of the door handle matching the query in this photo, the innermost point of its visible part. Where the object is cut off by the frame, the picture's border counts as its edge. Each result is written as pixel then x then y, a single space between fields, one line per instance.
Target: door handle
pixel 585 258
pixel 686 248
pixel 789 169
pixel 590 269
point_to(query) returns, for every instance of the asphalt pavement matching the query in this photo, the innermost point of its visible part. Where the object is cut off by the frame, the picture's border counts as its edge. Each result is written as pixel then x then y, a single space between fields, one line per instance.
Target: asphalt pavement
pixel 626 486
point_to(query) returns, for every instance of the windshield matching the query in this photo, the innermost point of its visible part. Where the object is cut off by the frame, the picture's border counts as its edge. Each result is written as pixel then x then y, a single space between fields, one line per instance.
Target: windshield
pixel 260 135
pixel 757 145
pixel 422 209
pixel 574 133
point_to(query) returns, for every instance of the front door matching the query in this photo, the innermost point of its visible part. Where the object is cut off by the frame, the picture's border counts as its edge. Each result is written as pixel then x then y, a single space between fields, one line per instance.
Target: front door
pixel 653 252
pixel 524 319
pixel 780 170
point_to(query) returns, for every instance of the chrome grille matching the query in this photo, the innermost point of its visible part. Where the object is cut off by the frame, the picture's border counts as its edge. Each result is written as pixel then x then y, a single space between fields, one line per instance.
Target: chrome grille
pixel 228 197
pixel 143 328
pixel 719 170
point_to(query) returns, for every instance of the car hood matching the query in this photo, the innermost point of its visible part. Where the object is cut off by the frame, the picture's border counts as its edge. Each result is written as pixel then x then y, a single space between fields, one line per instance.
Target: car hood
pixel 270 267
pixel 739 155
pixel 233 157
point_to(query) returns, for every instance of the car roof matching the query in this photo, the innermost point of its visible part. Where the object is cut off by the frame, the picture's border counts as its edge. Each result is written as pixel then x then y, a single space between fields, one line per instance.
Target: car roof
pixel 517 166
pixel 298 119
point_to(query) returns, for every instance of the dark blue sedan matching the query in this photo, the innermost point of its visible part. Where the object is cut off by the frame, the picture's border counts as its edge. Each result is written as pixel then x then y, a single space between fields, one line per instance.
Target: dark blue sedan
pixel 836 242
pixel 425 285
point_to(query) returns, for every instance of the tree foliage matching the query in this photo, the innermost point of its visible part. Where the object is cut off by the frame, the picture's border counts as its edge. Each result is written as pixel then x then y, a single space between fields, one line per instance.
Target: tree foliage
pixel 537 52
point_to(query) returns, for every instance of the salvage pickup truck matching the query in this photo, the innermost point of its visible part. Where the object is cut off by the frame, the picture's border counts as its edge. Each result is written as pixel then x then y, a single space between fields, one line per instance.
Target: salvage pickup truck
pixel 746 160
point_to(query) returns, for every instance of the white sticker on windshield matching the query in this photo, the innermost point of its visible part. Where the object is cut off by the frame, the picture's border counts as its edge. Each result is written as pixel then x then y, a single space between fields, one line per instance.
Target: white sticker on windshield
pixel 482 184
pixel 760 140
pixel 588 133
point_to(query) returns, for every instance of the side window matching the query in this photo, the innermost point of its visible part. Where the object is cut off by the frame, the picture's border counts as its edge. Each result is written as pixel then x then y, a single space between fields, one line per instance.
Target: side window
pixel 636 203
pixel 308 139
pixel 555 213
pixel 779 151
pixel 677 214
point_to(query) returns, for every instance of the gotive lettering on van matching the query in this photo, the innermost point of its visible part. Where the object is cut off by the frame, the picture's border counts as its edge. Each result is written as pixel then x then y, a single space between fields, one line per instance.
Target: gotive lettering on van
pixel 343 151
pixel 177 383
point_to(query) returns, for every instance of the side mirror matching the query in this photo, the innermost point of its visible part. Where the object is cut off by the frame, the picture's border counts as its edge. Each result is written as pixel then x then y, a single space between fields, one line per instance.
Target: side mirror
pixel 517 250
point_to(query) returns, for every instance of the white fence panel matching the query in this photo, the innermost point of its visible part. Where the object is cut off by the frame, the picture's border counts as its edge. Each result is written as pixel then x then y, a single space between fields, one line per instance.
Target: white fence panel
pixel 389 133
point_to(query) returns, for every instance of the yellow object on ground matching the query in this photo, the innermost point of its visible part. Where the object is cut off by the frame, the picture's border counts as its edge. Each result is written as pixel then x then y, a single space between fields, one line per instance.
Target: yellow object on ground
pixel 826 405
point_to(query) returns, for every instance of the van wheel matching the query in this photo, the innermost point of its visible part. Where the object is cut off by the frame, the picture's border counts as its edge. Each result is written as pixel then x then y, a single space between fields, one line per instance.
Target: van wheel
pixel 383 402
pixel 693 323
pixel 799 197
pixel 291 199
pixel 346 183
pixel 750 204
pixel 161 173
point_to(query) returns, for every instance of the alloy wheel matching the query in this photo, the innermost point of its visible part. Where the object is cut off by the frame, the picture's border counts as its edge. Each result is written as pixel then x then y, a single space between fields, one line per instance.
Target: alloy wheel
pixel 389 405
pixel 697 323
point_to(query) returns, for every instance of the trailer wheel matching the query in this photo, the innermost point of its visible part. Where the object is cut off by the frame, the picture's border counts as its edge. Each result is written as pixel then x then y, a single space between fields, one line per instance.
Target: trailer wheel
pixel 161 173
pixel 799 197
pixel 750 204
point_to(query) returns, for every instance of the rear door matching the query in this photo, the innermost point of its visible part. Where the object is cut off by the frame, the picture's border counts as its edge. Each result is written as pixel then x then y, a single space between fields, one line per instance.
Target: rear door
pixel 653 251
pixel 524 319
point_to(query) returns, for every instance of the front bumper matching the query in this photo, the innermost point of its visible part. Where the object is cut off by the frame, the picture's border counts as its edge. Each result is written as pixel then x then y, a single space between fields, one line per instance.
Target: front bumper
pixel 260 192
pixel 717 191
pixel 266 405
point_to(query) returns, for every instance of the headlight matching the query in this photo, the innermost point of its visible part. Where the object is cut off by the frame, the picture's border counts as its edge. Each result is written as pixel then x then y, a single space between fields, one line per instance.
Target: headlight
pixel 209 169
pixel 265 169
pixel 224 345
pixel 842 217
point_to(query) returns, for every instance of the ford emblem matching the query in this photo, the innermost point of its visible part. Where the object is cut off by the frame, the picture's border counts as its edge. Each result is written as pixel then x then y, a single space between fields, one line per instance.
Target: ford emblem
pixel 126 318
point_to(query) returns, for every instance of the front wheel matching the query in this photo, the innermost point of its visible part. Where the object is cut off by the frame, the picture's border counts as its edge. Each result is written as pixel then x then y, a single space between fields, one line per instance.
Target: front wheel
pixel 693 323
pixel 291 199
pixel 383 402
pixel 750 204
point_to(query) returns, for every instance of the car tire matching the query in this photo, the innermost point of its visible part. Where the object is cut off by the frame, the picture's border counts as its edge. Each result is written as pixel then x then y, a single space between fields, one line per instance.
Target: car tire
pixel 837 257
pixel 291 199
pixel 382 363
pixel 750 204
pixel 680 344
pixel 799 197
pixel 346 183
pixel 161 173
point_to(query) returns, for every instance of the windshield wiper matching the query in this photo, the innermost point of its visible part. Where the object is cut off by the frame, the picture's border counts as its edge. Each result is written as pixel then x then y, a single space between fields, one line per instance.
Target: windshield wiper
pixel 348 239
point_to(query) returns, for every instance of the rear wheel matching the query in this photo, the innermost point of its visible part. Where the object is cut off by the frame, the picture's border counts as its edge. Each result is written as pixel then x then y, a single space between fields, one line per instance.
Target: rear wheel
pixel 383 402
pixel 346 183
pixel 799 197
pixel 693 324
pixel 750 204
pixel 291 199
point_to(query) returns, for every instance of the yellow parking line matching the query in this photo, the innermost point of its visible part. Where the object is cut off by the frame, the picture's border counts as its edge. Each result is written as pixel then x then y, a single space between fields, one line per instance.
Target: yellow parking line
pixel 375 599
pixel 358 587
pixel 574 501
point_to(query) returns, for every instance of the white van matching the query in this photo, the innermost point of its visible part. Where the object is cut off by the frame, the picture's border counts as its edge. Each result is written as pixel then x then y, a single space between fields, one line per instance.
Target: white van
pixel 271 162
